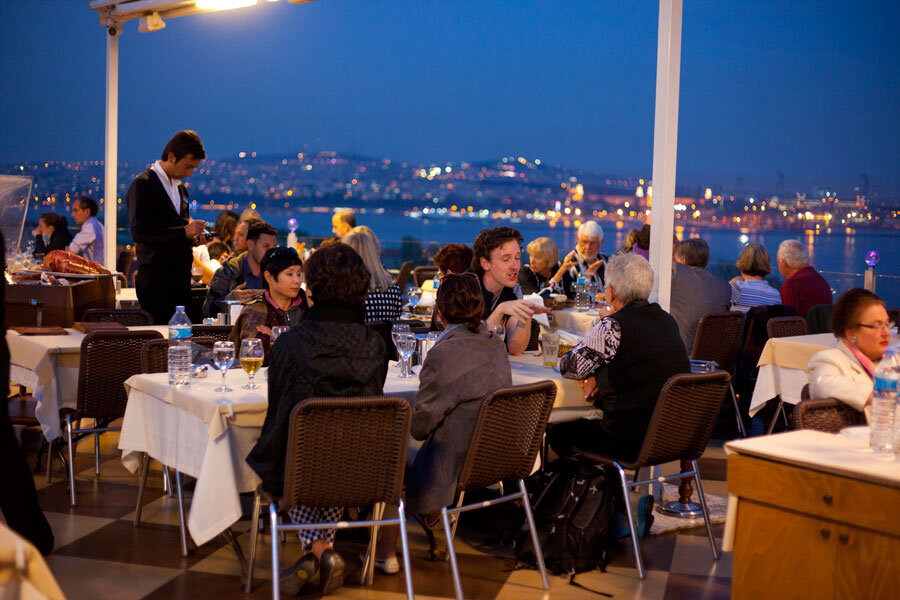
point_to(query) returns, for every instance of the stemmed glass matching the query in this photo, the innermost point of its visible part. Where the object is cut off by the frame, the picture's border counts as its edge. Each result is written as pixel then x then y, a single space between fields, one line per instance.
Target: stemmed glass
pixel 497 331
pixel 414 294
pixel 223 356
pixel 406 344
pixel 251 360
pixel 398 329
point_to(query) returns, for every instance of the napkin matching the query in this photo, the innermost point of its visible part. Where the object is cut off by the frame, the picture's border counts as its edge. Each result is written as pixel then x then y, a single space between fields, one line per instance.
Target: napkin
pixel 427 298
pixel 569 339
pixel 536 300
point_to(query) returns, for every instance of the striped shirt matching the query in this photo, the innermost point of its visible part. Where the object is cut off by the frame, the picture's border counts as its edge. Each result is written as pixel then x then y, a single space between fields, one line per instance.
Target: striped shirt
pixel 746 293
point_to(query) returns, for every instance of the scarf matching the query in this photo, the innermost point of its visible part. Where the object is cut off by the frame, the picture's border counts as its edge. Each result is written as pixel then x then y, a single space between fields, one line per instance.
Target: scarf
pixel 864 361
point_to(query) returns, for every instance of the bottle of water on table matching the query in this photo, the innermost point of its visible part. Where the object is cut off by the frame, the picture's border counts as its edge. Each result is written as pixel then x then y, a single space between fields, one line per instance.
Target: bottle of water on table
pixel 179 349
pixel 582 293
pixel 884 403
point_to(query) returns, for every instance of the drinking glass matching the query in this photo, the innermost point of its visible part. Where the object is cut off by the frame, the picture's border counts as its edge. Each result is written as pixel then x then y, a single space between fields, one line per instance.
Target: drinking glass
pixel 398 329
pixel 497 331
pixel 550 347
pixel 278 330
pixel 414 294
pixel 251 360
pixel 223 357
pixel 406 344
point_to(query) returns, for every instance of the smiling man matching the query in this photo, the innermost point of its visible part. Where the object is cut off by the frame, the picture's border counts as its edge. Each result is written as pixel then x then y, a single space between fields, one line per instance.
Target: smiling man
pixel 585 258
pixel 162 229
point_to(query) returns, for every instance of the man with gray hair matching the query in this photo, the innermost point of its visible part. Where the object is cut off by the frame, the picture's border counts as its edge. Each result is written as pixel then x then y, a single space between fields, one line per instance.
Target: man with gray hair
pixel 623 363
pixel 695 291
pixel 803 287
pixel 585 259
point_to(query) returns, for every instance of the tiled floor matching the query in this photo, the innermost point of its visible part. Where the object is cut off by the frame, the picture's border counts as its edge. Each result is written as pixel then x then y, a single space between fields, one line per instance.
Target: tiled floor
pixel 99 554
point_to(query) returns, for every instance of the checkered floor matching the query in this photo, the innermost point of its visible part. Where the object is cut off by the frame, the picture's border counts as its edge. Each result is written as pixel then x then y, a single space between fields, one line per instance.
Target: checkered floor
pixel 99 554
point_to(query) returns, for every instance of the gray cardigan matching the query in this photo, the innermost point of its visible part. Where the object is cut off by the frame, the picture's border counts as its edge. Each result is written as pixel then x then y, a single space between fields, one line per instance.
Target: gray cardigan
pixel 459 371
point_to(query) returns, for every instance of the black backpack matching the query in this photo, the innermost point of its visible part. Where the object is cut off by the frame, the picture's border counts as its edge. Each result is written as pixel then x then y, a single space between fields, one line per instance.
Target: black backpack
pixel 573 502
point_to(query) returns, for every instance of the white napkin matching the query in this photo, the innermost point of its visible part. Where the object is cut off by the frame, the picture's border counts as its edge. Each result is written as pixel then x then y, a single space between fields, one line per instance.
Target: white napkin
pixel 569 339
pixel 427 298
pixel 538 301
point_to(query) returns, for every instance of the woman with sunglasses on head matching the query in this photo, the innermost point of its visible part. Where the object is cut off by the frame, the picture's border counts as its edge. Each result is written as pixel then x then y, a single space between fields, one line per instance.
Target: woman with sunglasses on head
pixel 847 370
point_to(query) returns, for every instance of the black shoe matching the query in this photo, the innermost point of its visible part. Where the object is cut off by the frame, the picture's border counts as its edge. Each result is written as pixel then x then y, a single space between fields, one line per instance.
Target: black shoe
pixel 331 572
pixel 293 579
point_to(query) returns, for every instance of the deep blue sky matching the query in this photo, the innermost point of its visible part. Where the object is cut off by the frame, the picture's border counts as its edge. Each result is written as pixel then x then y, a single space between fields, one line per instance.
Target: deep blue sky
pixel 809 88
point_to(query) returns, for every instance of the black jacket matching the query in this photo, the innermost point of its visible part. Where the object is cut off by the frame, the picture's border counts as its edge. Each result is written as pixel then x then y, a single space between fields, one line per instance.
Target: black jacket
pixel 59 240
pixel 223 281
pixel 330 353
pixel 156 228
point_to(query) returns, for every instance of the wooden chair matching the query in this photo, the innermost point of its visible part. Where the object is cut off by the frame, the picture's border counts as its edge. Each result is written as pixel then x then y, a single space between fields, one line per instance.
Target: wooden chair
pixel 718 338
pixel 679 430
pixel 322 471
pixel 130 317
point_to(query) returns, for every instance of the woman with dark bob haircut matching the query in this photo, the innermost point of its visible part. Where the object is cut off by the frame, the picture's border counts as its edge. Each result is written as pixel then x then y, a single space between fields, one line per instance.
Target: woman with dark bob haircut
pixel 847 370
pixel 464 365
pixel 330 353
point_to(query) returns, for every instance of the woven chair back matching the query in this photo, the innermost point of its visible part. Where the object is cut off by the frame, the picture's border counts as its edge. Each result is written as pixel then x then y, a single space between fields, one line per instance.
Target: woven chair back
pixel 827 414
pixel 894 316
pixel 508 434
pixel 108 358
pixel 155 353
pixel 423 274
pixel 718 338
pixel 219 332
pixel 780 327
pixel 403 276
pixel 130 317
pixel 684 417
pixel 346 451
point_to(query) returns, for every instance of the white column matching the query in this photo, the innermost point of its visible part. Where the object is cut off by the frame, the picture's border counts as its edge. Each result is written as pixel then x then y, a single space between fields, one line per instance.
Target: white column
pixel 665 148
pixel 111 154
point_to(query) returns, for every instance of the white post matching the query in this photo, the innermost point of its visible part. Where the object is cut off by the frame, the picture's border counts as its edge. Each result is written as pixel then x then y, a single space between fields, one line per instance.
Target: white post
pixel 665 147
pixel 111 155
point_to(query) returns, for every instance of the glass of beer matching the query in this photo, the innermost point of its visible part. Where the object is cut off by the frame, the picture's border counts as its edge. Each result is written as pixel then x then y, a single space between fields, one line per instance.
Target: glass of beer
pixel 550 347
pixel 251 360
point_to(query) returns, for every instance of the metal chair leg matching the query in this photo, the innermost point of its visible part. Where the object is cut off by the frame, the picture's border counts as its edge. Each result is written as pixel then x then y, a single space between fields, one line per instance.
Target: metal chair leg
pixel 282 536
pixel 454 520
pixel 737 413
pixel 254 539
pixel 368 572
pixel 49 458
pixel 145 466
pixel 404 546
pixel 529 517
pixel 702 497
pixel 454 568
pixel 181 523
pixel 780 409
pixel 97 453
pixel 71 441
pixel 167 481
pixel 273 520
pixel 631 522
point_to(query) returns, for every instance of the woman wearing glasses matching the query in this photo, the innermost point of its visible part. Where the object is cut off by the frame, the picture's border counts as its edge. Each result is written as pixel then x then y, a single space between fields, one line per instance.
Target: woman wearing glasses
pixel 846 371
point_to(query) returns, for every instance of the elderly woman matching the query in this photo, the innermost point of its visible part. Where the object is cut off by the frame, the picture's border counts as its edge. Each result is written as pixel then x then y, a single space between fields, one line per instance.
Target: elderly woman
pixel 330 353
pixel 543 267
pixel 750 288
pixel 52 233
pixel 384 300
pixel 585 259
pixel 623 363
pixel 282 303
pixel 847 370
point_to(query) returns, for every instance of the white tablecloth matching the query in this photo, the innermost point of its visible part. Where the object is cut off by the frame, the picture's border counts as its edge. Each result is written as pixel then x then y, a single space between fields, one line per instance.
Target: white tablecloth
pixel 126 296
pixel 48 364
pixel 575 321
pixel 782 368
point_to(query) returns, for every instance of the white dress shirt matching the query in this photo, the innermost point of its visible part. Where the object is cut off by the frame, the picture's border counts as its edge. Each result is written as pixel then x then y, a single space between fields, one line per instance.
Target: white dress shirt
pixel 89 241
pixel 171 186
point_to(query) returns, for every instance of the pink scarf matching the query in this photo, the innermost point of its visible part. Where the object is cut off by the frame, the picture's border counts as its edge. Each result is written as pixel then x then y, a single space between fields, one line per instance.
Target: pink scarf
pixel 864 361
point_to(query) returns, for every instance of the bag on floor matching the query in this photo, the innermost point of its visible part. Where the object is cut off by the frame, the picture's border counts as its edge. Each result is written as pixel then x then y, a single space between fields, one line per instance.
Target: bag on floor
pixel 573 502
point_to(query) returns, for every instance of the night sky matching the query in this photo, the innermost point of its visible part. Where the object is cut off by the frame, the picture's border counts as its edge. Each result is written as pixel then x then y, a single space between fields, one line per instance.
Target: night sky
pixel 808 88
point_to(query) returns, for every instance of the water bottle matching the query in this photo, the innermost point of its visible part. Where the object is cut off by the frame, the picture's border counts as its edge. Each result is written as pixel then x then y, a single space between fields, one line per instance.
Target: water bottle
pixel 437 280
pixel 884 403
pixel 179 349
pixel 582 294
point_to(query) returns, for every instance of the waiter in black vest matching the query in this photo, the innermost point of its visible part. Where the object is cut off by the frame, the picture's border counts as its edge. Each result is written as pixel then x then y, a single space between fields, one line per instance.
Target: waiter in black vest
pixel 161 227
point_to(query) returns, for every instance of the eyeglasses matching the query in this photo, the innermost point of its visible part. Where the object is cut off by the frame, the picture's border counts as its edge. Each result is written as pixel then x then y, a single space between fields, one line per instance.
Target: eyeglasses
pixel 878 325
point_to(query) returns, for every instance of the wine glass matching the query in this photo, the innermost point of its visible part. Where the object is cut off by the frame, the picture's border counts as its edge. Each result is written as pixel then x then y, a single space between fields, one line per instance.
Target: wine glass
pixel 414 294
pixel 406 344
pixel 497 331
pixel 398 329
pixel 278 330
pixel 223 357
pixel 251 360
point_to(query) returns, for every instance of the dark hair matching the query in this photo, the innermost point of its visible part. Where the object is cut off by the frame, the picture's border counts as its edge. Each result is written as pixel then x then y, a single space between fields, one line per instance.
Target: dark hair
pixel 184 143
pixel 89 204
pixel 225 225
pixel 260 228
pixel 336 274
pixel 53 220
pixel 216 249
pixel 454 258
pixel 459 300
pixel 849 307
pixel 642 240
pixel 487 241
pixel 276 260
pixel 694 252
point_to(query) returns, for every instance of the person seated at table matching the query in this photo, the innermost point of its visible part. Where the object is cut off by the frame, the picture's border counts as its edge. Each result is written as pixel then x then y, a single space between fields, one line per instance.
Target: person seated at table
pixel 803 286
pixel 342 223
pixel 241 277
pixel 630 241
pixel 543 269
pixel 239 241
pixel 695 291
pixel 585 259
pixel 225 226
pixel 623 363
pixel 330 353
pixel 453 258
pixel 283 302
pixel 383 302
pixel 452 382
pixel 750 288
pixel 496 258
pixel 847 370
pixel 52 233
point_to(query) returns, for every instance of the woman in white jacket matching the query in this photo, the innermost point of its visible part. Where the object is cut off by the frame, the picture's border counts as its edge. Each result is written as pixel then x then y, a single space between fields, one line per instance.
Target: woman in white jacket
pixel 846 371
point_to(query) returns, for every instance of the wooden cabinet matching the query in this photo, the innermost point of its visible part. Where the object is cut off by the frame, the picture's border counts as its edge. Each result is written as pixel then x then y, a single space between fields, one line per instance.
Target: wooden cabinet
pixel 803 533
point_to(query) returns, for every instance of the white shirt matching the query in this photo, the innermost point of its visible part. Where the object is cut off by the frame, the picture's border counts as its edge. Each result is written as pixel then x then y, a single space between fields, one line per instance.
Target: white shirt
pixel 89 241
pixel 171 187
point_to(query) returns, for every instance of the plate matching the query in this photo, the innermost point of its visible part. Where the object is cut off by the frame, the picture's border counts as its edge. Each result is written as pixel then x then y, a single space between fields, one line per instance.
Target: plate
pixel 857 432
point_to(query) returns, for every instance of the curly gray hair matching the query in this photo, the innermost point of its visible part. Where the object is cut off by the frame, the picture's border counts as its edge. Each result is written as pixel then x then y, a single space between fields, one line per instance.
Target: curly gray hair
pixel 631 276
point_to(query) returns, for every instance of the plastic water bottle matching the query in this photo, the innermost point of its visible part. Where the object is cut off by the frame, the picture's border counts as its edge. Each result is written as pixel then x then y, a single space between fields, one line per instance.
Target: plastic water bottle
pixel 179 349
pixel 884 403
pixel 582 294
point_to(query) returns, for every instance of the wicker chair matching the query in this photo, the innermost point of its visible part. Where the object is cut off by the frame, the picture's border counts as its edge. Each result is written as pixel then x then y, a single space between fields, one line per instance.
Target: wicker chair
pixel 155 353
pixel 130 317
pixel 894 316
pixel 403 275
pixel 341 452
pixel 108 358
pixel 682 422
pixel 718 338
pixel 780 327
pixel 422 274
pixel 504 445
pixel 828 414
pixel 219 332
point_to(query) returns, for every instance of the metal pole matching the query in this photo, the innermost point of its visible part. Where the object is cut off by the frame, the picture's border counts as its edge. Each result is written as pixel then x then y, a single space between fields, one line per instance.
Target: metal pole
pixel 665 146
pixel 111 154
